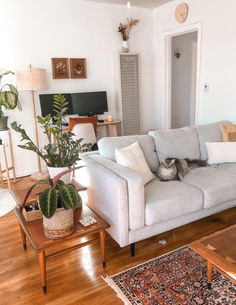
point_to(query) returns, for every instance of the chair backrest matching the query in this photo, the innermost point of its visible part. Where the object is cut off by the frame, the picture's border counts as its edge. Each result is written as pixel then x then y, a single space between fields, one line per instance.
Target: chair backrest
pixel 74 121
pixel 85 131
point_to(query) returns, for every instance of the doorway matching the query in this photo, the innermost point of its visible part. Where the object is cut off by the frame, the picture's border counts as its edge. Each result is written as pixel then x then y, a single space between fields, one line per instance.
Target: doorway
pixel 182 57
pixel 183 79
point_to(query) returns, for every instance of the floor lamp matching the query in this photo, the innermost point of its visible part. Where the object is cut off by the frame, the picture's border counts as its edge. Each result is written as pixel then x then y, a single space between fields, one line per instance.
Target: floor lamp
pixel 33 79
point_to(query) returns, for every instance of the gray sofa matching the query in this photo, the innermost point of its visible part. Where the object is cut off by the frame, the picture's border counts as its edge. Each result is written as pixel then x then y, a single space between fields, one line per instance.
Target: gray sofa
pixel 136 212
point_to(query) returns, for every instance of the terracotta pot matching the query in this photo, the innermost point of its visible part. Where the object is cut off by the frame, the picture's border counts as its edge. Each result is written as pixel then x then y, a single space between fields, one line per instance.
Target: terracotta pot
pixel 60 225
pixel 3 123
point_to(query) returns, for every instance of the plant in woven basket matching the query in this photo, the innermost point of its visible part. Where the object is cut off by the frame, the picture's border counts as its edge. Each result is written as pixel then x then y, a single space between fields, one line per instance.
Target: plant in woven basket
pixel 57 195
pixel 9 99
pixel 124 29
pixel 62 149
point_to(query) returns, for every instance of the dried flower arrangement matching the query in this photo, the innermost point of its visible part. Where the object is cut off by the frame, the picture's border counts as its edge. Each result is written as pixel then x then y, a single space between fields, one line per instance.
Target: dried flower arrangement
pixel 124 29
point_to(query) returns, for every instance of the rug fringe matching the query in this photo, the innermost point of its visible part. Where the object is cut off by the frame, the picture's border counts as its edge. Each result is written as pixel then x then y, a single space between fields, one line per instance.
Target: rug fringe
pixel 119 293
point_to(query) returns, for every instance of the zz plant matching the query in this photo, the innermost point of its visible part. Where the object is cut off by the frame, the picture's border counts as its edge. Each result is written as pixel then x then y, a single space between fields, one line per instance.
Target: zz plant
pixel 62 149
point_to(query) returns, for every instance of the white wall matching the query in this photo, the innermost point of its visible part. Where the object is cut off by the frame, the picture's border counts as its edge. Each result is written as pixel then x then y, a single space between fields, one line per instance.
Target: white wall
pixel 218 60
pixel 35 31
pixel 182 81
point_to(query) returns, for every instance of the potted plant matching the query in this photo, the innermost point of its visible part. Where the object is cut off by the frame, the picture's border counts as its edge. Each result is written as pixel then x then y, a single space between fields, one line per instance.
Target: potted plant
pixel 60 154
pixel 57 203
pixel 9 100
pixel 124 29
pixel 62 150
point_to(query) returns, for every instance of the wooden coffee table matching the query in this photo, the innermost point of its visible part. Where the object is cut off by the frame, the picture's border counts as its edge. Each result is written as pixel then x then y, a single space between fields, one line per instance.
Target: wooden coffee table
pixel 219 249
pixel 34 233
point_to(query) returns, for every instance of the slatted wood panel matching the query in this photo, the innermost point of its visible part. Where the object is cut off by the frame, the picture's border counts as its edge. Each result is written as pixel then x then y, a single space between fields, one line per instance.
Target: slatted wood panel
pixel 130 93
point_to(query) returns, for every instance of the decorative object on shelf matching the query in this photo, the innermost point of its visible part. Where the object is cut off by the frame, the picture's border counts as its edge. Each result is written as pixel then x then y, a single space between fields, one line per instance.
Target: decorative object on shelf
pixel 78 68
pixel 109 118
pixel 60 68
pixel 181 12
pixel 9 100
pixel 124 29
pixel 56 204
pixel 33 79
pixel 32 212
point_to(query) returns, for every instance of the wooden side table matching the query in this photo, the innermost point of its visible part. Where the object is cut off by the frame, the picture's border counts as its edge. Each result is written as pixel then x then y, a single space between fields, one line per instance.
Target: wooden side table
pixel 34 233
pixel 7 167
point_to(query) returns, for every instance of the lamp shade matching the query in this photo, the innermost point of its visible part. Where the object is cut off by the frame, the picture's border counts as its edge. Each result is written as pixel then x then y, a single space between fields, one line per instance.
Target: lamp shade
pixel 31 79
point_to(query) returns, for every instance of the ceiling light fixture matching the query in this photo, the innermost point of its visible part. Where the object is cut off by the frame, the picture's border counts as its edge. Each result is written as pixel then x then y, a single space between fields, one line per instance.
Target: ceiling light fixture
pixel 128 4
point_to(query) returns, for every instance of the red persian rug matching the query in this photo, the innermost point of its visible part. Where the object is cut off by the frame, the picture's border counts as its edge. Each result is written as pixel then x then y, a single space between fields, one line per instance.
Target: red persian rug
pixel 177 278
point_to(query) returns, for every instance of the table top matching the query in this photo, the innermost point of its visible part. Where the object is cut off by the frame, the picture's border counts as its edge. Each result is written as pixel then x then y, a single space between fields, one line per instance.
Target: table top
pixel 19 194
pixel 220 249
pixel 35 233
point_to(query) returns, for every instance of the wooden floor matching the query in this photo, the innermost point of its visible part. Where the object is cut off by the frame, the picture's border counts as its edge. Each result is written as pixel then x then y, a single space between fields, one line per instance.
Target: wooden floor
pixel 75 278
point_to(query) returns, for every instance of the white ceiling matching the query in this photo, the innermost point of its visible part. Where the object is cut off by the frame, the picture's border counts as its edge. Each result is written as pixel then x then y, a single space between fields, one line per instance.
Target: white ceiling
pixel 141 3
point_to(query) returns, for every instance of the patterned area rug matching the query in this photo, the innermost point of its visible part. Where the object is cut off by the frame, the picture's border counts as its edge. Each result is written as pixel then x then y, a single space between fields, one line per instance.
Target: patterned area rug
pixel 7 202
pixel 177 278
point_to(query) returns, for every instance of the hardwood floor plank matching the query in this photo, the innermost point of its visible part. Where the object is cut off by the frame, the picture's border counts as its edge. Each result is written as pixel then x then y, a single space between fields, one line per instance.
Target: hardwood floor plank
pixel 74 278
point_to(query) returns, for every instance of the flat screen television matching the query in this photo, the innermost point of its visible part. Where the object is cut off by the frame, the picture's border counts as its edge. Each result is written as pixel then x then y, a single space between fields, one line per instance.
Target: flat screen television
pixel 46 103
pixel 89 103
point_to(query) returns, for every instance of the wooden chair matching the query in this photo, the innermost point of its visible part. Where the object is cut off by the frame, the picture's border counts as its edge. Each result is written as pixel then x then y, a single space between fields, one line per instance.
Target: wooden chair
pixel 74 121
pixel 84 128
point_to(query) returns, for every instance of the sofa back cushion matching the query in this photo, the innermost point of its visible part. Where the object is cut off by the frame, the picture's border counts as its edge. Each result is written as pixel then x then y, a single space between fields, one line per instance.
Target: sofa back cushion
pixel 107 146
pixel 209 133
pixel 178 143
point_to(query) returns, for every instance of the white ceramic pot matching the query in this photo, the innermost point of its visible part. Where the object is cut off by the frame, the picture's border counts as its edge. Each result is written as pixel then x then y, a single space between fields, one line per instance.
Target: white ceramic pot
pixel 53 171
pixel 125 46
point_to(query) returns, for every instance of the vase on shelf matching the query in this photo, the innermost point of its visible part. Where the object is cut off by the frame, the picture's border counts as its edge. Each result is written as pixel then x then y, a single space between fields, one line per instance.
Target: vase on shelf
pixel 125 46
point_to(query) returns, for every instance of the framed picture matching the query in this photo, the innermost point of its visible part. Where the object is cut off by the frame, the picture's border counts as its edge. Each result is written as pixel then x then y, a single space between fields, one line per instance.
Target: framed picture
pixel 78 68
pixel 60 68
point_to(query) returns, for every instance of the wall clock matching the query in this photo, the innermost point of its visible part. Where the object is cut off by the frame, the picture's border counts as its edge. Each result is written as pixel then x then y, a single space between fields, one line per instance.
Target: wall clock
pixel 181 12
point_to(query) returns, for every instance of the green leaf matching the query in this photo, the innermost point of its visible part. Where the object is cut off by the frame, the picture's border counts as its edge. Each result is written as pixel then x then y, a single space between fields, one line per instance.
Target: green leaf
pixel 60 183
pixel 48 202
pixel 69 196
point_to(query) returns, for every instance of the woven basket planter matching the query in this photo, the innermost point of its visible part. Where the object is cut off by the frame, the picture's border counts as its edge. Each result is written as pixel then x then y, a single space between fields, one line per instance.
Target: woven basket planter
pixel 60 225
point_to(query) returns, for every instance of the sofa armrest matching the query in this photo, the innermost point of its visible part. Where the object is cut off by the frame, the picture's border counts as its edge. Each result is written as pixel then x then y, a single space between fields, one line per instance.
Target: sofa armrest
pixel 108 196
pixel 136 200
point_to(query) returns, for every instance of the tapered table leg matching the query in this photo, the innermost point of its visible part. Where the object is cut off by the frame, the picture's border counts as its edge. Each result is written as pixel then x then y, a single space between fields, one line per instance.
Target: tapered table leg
pixel 42 265
pixel 23 237
pixel 209 274
pixel 102 235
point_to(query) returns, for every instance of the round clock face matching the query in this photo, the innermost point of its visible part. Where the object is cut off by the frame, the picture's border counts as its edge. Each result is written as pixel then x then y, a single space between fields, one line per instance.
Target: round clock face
pixel 181 12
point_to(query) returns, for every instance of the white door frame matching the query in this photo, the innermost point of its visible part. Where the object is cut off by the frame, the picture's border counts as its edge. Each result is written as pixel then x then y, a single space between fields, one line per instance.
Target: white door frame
pixel 167 55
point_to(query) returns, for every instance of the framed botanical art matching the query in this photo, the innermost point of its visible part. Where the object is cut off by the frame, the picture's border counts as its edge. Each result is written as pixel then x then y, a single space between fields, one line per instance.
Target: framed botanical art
pixel 60 68
pixel 78 68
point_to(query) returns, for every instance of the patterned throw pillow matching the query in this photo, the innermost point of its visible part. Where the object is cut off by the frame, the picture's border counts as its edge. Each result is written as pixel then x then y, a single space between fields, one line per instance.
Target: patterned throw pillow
pixel 228 132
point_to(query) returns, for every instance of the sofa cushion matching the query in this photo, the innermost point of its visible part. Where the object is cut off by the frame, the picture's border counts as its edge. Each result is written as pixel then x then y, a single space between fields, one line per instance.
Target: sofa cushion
pixel 228 167
pixel 177 143
pixel 209 133
pixel 168 200
pixel 217 185
pixel 221 152
pixel 108 145
pixel 132 157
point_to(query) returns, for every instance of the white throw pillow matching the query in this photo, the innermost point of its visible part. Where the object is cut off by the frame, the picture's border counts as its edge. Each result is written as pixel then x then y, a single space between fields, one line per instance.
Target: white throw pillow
pixel 132 157
pixel 221 152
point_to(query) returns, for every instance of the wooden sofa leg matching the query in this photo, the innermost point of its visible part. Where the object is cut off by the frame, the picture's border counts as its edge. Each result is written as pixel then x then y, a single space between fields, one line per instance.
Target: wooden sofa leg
pixel 132 249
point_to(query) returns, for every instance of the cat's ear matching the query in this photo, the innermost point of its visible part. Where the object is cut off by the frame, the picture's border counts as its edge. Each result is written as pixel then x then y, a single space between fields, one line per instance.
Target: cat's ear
pixel 172 162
